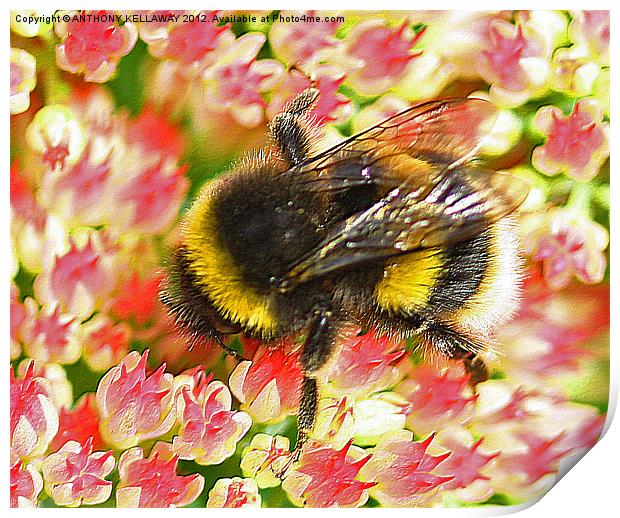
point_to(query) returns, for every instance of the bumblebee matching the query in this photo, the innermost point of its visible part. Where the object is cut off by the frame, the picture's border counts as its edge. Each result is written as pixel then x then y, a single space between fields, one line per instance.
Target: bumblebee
pixel 397 229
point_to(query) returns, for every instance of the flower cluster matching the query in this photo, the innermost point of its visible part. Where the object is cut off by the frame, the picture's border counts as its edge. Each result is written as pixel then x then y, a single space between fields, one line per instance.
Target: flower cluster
pixel 118 118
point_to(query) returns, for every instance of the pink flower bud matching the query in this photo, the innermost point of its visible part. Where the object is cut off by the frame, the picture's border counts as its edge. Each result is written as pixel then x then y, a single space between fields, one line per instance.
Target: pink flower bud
pixel 237 80
pixel 80 280
pixel 153 196
pixel 61 390
pixel 465 465
pixel 136 300
pixel 75 475
pixel 438 397
pixel 335 423
pixel 568 243
pixel 268 386
pixel 34 419
pixel 234 492
pixel 105 343
pixel 590 29
pixel 403 471
pixel 152 481
pixel 209 430
pixel 365 365
pixel 264 458
pixel 56 136
pixel 26 484
pixel 325 477
pixel 133 406
pixel 23 79
pixel 50 336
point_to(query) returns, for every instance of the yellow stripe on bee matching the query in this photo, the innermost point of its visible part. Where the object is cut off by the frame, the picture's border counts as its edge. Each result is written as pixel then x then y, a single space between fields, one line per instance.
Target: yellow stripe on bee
pixel 218 276
pixel 408 281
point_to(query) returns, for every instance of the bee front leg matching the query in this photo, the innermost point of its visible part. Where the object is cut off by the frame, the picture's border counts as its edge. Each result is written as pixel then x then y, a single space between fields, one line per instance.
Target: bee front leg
pixel 316 351
pixel 292 130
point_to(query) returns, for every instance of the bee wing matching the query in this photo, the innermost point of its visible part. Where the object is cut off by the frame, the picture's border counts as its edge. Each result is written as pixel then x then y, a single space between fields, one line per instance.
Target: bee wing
pixel 448 128
pixel 459 204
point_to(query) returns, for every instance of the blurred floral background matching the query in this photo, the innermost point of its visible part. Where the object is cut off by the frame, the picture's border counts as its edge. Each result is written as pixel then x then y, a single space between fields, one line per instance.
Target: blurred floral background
pixel 116 122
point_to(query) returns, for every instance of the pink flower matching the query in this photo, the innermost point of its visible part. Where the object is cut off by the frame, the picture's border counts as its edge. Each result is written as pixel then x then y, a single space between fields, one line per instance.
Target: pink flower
pixel 26 484
pixel 75 476
pixel 81 193
pixel 569 244
pixel 365 365
pixel 574 72
pixel 36 235
pixel 155 134
pixel 326 477
pixel 465 465
pixel 153 481
pixel 302 43
pixel 56 136
pixel 80 280
pixel 264 458
pixel 105 343
pixel 61 390
pixel 24 204
pixel 236 82
pixel 541 457
pixel 154 196
pixel 133 406
pixel 79 424
pixel 234 492
pixel 23 79
pixel 576 144
pixel 403 471
pixel 209 430
pixel 190 43
pixel 377 416
pixel 137 299
pixel 380 55
pixel 516 63
pixel 268 386
pixel 590 29
pixel 93 47
pixel 34 419
pixel 335 423
pixel 438 397
pixel 547 340
pixel 574 315
pixel 502 406
pixel 50 336
pixel 586 433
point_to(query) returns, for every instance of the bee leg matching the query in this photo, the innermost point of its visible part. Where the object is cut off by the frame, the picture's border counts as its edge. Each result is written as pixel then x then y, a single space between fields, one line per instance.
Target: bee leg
pixel 457 345
pixel 291 130
pixel 316 351
pixel 228 350
pixel 477 369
